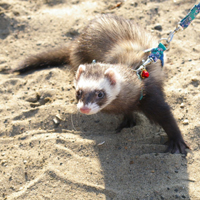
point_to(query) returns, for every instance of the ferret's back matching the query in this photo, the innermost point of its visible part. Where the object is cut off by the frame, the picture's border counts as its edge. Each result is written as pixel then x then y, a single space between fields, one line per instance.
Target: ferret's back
pixel 103 34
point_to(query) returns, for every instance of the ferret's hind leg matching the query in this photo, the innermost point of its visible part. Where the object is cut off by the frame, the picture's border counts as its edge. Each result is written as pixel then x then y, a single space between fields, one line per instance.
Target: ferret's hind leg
pixel 128 122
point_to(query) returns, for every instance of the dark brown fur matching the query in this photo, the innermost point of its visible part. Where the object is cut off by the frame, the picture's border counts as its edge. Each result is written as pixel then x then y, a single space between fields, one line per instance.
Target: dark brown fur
pixel 111 39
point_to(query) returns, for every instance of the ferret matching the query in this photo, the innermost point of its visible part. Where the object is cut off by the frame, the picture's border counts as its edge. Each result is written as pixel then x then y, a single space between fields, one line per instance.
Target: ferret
pixel 111 84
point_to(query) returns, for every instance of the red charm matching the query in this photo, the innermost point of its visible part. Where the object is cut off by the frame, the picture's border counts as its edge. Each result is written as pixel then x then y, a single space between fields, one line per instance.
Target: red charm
pixel 145 74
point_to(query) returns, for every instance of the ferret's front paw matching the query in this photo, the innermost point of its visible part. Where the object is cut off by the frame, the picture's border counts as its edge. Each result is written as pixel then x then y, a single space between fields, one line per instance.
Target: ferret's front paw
pixel 126 123
pixel 177 146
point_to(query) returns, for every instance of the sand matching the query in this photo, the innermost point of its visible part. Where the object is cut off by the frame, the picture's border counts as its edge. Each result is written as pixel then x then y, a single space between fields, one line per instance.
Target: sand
pixel 50 151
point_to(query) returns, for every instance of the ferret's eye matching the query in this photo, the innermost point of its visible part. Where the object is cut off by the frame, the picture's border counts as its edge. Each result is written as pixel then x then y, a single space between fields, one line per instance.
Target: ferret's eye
pixel 100 94
pixel 79 94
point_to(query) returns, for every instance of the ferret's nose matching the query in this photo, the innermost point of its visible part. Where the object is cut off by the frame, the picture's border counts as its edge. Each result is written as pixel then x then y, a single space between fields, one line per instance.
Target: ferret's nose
pixel 85 110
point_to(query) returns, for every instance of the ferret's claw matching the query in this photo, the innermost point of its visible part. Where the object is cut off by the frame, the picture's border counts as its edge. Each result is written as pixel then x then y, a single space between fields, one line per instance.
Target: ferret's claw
pixel 177 146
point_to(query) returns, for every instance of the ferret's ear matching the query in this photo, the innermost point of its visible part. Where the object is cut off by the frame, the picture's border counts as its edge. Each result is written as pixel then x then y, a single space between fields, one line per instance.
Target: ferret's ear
pixel 111 74
pixel 80 70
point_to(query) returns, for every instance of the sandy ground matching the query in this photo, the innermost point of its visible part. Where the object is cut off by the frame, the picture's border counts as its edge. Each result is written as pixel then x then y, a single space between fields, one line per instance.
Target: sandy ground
pixel 49 151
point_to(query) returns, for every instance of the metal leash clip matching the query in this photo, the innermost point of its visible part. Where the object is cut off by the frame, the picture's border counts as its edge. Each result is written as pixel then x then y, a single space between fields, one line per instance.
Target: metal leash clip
pixel 171 36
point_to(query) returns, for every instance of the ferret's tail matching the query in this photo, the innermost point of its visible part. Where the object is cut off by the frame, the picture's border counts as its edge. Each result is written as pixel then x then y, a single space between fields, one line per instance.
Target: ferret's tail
pixel 51 58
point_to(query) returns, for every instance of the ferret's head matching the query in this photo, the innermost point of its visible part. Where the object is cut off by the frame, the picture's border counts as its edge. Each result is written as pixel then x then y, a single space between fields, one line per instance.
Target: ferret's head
pixel 97 85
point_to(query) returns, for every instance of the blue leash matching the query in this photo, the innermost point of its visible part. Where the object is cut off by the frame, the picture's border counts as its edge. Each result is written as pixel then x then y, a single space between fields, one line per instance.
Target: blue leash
pixel 185 22
pixel 158 53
